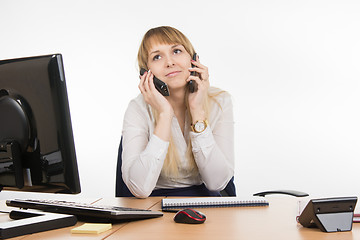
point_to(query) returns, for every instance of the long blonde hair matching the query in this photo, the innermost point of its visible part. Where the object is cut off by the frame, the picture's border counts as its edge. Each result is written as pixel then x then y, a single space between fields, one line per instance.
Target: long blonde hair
pixel 170 35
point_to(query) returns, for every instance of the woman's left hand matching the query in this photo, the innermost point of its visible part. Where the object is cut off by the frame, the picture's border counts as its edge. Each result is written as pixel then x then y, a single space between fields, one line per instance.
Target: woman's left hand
pixel 197 98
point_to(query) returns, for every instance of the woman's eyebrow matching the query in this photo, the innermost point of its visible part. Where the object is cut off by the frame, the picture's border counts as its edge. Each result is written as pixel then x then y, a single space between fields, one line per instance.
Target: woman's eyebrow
pixel 157 51
pixel 174 46
pixel 153 52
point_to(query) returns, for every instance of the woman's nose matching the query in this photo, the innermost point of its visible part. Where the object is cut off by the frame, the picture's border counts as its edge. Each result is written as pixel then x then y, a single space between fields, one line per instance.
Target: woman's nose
pixel 169 61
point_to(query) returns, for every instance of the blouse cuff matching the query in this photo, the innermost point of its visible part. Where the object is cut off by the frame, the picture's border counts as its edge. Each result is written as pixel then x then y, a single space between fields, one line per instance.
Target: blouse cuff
pixel 202 140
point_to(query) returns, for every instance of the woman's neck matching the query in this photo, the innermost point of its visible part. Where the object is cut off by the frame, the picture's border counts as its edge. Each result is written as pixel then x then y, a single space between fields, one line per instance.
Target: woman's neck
pixel 177 100
pixel 178 103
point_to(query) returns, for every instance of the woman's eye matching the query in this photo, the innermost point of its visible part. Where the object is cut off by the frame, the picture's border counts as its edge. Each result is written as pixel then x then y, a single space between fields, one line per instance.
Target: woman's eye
pixel 157 57
pixel 176 51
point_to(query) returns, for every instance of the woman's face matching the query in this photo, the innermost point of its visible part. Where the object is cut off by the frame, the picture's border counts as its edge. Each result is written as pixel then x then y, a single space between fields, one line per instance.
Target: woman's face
pixel 170 63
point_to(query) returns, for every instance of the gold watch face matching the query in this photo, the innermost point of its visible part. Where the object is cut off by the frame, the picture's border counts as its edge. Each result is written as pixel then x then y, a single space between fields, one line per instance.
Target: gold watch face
pixel 199 127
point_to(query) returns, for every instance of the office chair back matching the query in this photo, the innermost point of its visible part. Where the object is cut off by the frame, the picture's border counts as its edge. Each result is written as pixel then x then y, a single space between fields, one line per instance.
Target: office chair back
pixel 121 190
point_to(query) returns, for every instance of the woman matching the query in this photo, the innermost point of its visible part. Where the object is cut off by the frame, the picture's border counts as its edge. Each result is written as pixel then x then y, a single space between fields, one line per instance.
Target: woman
pixel 181 144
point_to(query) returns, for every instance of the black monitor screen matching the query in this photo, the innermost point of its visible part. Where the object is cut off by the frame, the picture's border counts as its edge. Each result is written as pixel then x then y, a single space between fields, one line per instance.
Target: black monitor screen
pixel 37 151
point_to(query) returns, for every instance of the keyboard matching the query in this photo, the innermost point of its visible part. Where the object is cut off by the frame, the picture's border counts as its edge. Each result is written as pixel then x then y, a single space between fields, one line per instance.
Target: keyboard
pixel 84 211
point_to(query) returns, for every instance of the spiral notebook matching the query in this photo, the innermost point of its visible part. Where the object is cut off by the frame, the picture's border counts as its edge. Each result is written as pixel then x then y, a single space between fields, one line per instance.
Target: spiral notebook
pixel 208 202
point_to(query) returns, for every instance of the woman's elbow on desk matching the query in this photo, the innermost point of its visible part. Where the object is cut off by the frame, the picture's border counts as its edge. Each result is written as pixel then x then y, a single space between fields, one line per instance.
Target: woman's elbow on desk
pixel 141 195
pixel 216 187
pixel 216 184
pixel 139 192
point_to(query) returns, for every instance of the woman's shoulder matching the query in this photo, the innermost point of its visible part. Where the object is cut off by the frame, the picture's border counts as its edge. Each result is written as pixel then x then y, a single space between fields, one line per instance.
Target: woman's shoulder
pixel 138 101
pixel 138 104
pixel 220 96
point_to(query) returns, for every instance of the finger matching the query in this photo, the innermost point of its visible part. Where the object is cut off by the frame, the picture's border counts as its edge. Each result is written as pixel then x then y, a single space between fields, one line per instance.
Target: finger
pixel 151 82
pixel 203 73
pixel 194 78
pixel 141 83
pixel 199 79
pixel 147 81
pixel 197 64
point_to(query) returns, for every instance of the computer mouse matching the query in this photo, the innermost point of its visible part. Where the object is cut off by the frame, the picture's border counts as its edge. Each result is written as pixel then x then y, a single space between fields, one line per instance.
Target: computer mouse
pixel 190 216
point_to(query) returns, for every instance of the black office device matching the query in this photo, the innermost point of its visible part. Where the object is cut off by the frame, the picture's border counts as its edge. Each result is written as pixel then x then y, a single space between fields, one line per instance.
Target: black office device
pixel 192 84
pixel 37 151
pixel 32 221
pixel 36 139
pixel 86 212
pixel 189 216
pixel 329 214
pixel 159 85
pixel 286 192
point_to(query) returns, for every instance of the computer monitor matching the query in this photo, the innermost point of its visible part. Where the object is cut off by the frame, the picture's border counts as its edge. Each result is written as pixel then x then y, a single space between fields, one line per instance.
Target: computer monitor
pixel 37 151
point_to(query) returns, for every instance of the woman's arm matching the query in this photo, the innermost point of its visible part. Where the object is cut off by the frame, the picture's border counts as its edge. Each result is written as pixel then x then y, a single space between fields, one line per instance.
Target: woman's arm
pixel 213 149
pixel 143 153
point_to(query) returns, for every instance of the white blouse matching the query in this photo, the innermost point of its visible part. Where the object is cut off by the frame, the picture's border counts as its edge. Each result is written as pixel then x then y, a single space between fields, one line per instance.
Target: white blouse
pixel 144 153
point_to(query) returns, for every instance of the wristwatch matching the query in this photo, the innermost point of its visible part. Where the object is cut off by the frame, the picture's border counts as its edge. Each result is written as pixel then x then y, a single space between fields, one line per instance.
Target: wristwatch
pixel 199 126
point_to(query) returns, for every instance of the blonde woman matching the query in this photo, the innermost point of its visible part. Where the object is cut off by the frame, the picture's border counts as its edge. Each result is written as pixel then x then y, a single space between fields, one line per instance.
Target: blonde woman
pixel 181 144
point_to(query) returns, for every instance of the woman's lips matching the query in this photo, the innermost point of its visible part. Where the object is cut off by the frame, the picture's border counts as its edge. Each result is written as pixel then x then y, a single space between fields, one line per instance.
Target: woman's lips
pixel 172 74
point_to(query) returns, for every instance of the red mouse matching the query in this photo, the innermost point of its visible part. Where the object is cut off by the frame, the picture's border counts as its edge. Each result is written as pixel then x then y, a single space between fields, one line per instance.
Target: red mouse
pixel 189 215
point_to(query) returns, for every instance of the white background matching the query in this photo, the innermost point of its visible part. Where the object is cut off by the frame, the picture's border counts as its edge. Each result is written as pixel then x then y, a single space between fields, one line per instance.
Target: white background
pixel 292 67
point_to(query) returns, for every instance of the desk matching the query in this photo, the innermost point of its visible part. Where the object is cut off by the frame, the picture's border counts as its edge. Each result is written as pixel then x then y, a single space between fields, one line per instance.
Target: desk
pixel 278 221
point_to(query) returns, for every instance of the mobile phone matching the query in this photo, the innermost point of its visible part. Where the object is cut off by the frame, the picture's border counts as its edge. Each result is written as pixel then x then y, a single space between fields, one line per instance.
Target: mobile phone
pixel 192 84
pixel 159 85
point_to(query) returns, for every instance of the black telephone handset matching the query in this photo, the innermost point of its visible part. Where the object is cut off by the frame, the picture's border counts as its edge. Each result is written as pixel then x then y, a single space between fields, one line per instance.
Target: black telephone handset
pixel 192 84
pixel 159 85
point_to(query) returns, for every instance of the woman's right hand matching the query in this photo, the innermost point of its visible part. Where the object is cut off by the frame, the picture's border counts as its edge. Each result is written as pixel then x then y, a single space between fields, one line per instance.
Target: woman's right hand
pixel 152 96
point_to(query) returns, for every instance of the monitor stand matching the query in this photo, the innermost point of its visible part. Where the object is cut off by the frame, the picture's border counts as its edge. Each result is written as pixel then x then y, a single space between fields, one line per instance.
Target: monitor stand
pixel 27 222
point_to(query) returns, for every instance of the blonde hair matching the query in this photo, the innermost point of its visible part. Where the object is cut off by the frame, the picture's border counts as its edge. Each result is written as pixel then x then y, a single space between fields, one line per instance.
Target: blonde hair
pixel 170 35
